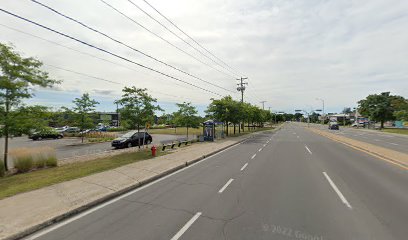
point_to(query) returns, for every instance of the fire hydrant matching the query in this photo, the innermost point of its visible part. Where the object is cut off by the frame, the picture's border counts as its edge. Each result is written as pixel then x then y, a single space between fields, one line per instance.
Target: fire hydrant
pixel 153 151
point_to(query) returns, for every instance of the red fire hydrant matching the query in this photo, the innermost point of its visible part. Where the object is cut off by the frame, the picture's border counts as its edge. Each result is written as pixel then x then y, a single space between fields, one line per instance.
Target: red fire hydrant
pixel 153 151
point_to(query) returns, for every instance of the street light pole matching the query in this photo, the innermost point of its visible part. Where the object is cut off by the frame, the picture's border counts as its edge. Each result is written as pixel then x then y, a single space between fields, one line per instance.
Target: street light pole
pixel 322 100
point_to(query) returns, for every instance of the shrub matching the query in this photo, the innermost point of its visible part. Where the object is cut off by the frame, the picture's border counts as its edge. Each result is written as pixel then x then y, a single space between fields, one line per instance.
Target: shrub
pixel 26 159
pixel 23 163
pixel 51 161
pixel 2 168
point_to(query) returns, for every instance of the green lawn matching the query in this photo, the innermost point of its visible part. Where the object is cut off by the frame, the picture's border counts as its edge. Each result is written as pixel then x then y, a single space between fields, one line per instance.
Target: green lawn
pixel 19 183
pixel 396 130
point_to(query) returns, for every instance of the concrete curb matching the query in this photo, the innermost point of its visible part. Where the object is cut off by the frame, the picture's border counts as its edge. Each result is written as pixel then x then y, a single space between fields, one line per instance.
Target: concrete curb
pixel 113 195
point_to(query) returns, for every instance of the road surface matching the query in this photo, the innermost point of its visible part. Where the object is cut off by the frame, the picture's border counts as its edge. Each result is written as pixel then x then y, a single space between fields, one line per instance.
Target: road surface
pixel 391 141
pixel 290 185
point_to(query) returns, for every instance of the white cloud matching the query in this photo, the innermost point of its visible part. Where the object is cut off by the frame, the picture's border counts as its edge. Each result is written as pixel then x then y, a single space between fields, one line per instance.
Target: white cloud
pixel 292 50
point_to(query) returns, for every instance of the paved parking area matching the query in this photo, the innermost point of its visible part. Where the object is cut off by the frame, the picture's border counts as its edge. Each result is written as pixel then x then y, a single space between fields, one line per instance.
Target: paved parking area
pixel 72 147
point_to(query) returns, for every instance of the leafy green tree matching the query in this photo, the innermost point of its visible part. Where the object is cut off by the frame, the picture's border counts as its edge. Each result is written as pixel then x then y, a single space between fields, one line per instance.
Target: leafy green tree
pixel 18 76
pixel 380 107
pixel 186 115
pixel 84 106
pixel 137 107
pixel 62 117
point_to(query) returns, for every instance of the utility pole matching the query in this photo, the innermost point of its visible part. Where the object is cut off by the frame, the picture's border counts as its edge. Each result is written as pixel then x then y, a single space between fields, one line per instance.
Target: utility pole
pixel 241 87
pixel 117 113
pixel 263 104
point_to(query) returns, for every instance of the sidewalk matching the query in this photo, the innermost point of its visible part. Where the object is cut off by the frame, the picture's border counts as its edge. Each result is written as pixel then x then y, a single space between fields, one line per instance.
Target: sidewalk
pixel 27 212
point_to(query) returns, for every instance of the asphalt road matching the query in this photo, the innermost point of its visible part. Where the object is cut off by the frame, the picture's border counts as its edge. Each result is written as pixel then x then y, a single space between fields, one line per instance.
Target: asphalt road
pixel 391 141
pixel 71 147
pixel 290 185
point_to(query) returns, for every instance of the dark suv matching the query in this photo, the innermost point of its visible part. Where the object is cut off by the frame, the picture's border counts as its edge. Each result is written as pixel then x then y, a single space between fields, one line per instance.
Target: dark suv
pixel 131 139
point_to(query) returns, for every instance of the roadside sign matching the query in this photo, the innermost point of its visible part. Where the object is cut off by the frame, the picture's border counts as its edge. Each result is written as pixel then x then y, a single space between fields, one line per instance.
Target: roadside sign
pixel 147 125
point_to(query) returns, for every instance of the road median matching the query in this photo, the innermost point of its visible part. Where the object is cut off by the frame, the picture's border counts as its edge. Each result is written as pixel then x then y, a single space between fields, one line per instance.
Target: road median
pixel 395 157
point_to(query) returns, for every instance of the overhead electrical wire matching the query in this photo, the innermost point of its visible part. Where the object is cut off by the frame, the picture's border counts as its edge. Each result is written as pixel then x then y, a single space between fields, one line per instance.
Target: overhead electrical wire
pixel 74 50
pixel 107 52
pixel 106 80
pixel 172 23
pixel 126 45
pixel 178 36
pixel 163 39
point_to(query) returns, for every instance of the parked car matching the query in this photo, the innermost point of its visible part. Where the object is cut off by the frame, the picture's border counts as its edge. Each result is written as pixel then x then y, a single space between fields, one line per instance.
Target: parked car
pixel 333 126
pixel 72 130
pixel 131 139
pixel 46 133
pixel 361 124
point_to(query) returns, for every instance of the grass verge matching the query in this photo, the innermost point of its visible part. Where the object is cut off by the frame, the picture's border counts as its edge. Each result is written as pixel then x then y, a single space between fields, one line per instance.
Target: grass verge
pixel 396 130
pixel 19 183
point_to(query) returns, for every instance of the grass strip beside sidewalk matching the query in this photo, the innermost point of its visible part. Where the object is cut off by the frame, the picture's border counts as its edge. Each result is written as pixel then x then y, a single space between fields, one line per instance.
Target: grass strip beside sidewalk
pixel 19 183
pixel 396 130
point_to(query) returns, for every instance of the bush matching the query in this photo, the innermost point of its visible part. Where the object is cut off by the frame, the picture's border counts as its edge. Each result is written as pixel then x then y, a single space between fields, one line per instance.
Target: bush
pixel 51 162
pixel 2 168
pixel 26 159
pixel 23 163
pixel 118 129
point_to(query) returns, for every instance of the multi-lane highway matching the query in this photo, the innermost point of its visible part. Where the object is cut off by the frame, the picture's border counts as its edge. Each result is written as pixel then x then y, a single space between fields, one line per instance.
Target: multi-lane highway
pixel 293 184
pixel 387 140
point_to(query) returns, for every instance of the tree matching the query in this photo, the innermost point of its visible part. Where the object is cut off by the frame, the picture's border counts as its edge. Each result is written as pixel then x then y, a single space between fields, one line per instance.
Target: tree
pixel 186 115
pixel 18 76
pixel 138 107
pixel 379 107
pixel 83 107
pixel 347 110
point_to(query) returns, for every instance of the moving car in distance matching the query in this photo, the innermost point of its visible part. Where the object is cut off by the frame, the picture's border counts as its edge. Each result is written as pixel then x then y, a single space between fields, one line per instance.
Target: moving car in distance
pixel 131 139
pixel 333 126
pixel 46 133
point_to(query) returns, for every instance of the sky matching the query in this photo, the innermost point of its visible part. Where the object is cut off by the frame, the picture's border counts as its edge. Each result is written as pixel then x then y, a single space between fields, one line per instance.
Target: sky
pixel 293 52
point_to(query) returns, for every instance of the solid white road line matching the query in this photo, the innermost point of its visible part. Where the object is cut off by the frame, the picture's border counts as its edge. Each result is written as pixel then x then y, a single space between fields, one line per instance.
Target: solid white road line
pixel 377 140
pixel 396 144
pixel 243 167
pixel 225 186
pixel 186 227
pixel 343 199
pixel 253 156
pixel 96 208
pixel 308 149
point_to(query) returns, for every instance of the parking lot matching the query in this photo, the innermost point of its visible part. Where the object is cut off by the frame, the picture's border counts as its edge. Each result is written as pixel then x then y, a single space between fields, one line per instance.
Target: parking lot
pixel 72 147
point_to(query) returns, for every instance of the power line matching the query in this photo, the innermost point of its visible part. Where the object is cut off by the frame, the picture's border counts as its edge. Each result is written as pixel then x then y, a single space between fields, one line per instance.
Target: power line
pixel 160 37
pixel 124 44
pixel 106 80
pixel 177 36
pixel 172 23
pixel 74 50
pixel 107 52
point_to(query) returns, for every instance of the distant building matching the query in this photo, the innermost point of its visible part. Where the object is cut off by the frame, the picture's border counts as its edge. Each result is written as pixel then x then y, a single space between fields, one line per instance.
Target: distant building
pixel 112 117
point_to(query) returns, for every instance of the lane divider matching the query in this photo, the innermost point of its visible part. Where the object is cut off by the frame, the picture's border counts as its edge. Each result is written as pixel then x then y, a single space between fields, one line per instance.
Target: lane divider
pixel 226 185
pixel 260 150
pixel 310 152
pixel 186 226
pixel 243 167
pixel 341 196
pixel 253 156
